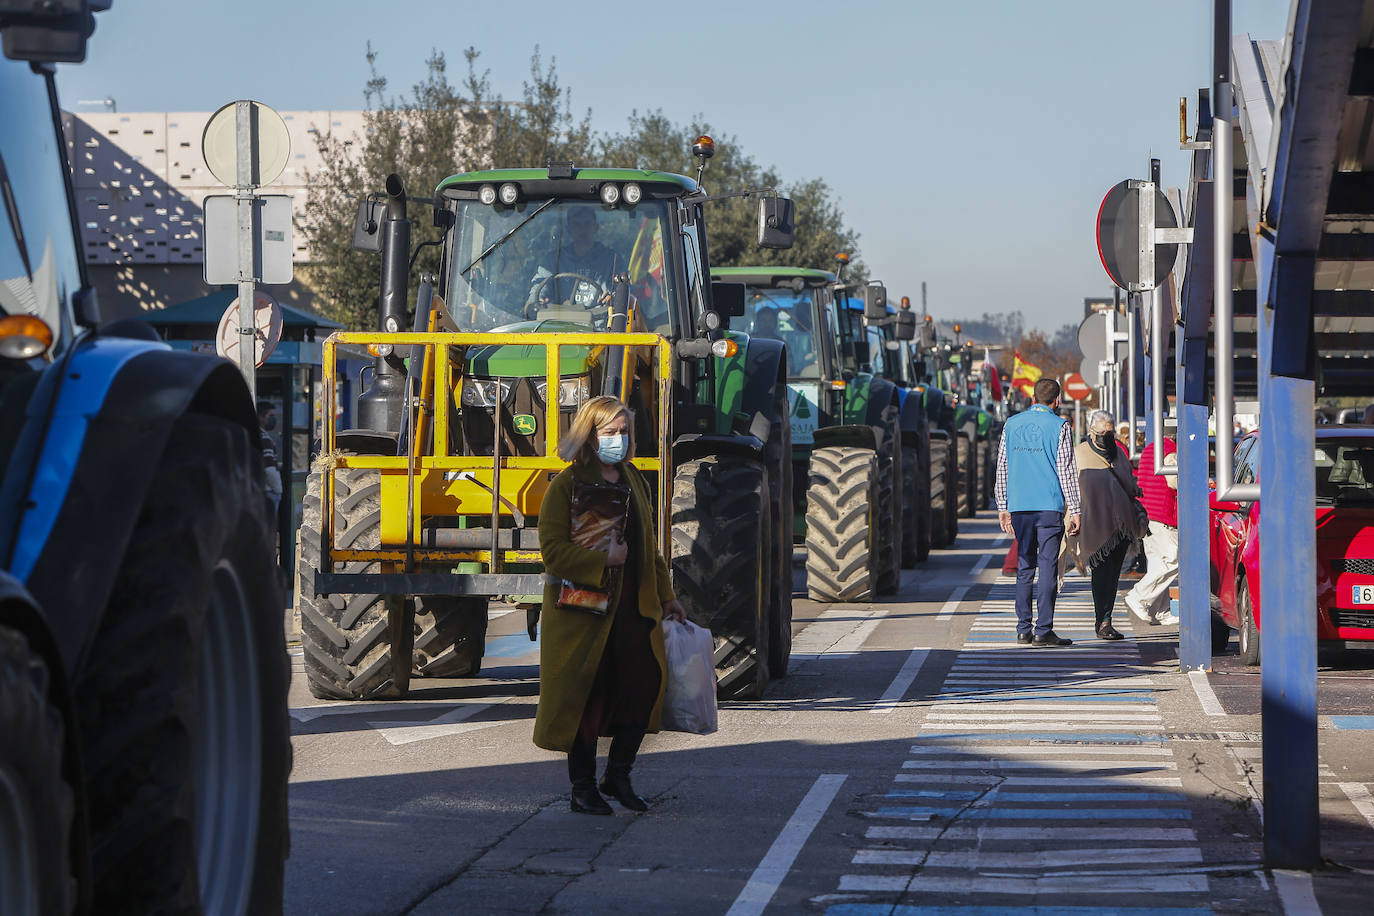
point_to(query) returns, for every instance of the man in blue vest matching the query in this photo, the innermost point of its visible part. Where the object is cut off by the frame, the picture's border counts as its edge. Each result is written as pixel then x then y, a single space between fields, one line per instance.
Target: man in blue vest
pixel 1037 486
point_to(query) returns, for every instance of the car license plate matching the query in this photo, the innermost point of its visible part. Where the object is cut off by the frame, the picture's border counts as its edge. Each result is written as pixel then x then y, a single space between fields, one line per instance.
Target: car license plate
pixel 1362 594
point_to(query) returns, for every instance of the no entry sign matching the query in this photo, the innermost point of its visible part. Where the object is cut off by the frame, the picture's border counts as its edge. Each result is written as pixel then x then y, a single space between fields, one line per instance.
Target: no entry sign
pixel 1075 388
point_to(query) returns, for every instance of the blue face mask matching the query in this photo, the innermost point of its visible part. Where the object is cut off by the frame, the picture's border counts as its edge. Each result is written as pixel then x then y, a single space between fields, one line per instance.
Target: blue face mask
pixel 612 449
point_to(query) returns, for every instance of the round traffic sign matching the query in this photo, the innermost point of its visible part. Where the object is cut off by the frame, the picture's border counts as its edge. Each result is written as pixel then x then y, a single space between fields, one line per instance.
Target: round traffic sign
pixel 267 324
pixel 1118 235
pixel 270 144
pixel 1075 388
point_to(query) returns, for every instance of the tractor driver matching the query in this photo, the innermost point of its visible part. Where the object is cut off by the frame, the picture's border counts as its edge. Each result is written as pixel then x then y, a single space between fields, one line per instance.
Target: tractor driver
pixel 766 322
pixel 579 253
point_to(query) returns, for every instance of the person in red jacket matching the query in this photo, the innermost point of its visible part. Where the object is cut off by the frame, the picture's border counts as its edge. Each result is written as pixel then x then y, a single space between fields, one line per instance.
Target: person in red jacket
pixel 1149 599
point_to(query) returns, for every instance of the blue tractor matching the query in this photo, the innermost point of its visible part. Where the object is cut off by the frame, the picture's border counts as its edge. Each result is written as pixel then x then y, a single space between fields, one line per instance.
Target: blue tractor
pixel 144 749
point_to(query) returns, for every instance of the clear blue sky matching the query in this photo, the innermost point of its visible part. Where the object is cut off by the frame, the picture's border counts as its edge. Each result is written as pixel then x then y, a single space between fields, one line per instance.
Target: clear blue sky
pixel 969 141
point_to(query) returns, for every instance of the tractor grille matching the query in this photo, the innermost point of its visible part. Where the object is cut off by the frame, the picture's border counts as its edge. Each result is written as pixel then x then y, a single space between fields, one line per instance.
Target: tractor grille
pixel 1362 566
pixel 1344 618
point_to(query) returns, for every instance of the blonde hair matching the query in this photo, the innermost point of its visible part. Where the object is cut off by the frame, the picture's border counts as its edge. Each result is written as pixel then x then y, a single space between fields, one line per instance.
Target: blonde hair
pixel 579 445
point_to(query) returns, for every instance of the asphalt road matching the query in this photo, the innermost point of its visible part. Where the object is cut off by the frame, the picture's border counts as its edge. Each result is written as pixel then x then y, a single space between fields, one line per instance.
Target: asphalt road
pixel 913 757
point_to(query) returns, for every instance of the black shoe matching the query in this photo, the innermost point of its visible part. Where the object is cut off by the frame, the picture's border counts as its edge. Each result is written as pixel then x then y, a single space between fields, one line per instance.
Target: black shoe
pixel 1107 631
pixel 617 786
pixel 1023 638
pixel 586 800
pixel 1050 639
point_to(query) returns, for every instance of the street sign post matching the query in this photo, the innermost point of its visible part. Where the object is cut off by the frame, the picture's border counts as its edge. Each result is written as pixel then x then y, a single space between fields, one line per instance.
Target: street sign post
pixel 246 145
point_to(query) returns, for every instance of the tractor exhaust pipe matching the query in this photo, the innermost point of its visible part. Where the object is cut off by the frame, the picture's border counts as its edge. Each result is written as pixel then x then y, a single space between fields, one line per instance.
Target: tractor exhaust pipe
pixel 380 407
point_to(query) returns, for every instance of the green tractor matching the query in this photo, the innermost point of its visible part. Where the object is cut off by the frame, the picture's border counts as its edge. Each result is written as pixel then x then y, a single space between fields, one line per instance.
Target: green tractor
pixel 557 285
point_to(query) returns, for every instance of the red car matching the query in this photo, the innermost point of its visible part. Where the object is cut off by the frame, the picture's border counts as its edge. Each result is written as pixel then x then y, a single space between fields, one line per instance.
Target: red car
pixel 1345 543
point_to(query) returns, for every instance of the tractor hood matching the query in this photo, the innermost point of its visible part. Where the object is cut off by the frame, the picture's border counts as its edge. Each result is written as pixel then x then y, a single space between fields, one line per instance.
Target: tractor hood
pixel 526 361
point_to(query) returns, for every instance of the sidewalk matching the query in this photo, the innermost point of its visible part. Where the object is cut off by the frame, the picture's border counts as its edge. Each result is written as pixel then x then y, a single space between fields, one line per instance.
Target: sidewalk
pixel 1087 777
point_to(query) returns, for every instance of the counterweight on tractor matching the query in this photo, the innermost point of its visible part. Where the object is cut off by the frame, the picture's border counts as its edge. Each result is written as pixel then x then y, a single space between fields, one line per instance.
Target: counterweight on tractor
pixel 556 285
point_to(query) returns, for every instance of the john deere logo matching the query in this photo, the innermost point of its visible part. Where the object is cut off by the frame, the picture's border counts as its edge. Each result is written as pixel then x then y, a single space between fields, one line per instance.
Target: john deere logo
pixel 524 424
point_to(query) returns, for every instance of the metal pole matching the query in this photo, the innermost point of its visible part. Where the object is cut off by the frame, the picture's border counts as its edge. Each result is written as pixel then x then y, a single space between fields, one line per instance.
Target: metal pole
pixel 245 150
pixel 1131 377
pixel 1194 606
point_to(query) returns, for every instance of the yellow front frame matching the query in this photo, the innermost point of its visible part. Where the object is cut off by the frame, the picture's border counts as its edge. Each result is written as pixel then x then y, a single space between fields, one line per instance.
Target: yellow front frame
pixel 418 487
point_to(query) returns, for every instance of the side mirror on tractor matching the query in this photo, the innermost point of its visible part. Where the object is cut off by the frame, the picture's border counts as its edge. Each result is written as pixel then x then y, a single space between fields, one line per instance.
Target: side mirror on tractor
pixel 775 222
pixel 367 224
pixel 875 301
pixel 727 299
pixel 906 326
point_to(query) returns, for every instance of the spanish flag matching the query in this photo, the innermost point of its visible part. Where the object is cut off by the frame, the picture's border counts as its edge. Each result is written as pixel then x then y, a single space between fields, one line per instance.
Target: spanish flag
pixel 1024 375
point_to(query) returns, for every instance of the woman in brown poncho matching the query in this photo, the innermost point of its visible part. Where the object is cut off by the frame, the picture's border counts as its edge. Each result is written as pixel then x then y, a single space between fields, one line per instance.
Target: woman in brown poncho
pixel 602 674
pixel 1110 521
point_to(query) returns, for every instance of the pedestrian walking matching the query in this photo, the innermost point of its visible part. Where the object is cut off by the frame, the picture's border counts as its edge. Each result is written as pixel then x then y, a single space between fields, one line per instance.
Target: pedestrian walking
pixel 1111 520
pixel 1037 496
pixel 1149 599
pixel 271 467
pixel 601 671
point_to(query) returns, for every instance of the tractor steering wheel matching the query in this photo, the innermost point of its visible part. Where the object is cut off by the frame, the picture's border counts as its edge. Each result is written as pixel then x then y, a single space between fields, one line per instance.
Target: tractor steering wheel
pixel 537 294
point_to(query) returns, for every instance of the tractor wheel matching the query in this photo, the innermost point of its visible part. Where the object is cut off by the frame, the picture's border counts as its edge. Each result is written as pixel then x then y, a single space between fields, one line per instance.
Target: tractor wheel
pixel 968 476
pixel 450 636
pixel 922 509
pixel 356 647
pixel 911 528
pixel 953 489
pixel 888 576
pixel 721 563
pixel 939 495
pixel 1249 630
pixel 841 514
pixel 36 802
pixel 777 455
pixel 182 699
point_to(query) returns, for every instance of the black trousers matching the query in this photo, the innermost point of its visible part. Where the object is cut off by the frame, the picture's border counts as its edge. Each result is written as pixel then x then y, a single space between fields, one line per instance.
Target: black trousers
pixel 582 757
pixel 1106 576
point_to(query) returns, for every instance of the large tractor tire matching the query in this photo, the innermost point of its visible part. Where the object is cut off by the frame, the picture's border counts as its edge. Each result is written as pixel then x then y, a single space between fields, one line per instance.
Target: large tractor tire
pixel 450 636
pixel 721 563
pixel 777 456
pixel 356 647
pixel 911 509
pixel 182 699
pixel 888 575
pixel 968 477
pixel 841 515
pixel 939 494
pixel 36 802
pixel 924 509
pixel 953 490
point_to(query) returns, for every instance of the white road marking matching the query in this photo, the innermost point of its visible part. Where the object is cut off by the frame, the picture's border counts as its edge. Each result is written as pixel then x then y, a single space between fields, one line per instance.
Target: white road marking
pixel 952 604
pixel 1030 834
pixel 984 884
pixel 838 631
pixel 1358 793
pixel 1205 695
pixel 976 715
pixel 1119 780
pixel 992 763
pixel 1047 858
pixel 310 713
pixel 442 726
pixel 1040 750
pixel 1296 893
pixel 763 883
pixel 898 688
pixel 981 565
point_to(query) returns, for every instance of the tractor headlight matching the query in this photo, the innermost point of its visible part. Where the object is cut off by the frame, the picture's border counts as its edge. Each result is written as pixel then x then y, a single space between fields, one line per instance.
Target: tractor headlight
pixel 487 194
pixel 632 193
pixel 509 194
pixel 572 392
pixel 610 194
pixel 482 392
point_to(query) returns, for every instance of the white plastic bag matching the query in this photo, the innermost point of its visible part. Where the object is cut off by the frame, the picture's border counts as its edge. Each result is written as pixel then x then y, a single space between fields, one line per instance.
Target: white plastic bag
pixel 689 700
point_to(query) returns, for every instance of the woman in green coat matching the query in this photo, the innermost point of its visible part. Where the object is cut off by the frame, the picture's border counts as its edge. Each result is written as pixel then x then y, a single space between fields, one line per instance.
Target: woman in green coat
pixel 602 675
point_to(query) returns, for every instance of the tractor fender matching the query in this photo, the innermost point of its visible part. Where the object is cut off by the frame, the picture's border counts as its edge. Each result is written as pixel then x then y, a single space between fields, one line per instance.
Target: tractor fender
pixel 764 370
pixel 882 394
pixel 699 445
pixel 855 435
pixel 88 449
pixel 913 416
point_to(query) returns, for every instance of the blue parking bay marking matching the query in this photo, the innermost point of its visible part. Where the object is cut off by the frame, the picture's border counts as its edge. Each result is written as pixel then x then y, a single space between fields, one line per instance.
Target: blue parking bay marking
pixel 1353 722
pixel 513 646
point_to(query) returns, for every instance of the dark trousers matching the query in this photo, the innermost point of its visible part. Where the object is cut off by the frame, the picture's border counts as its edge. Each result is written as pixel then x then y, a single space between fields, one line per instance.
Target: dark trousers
pixel 1106 577
pixel 1038 536
pixel 582 756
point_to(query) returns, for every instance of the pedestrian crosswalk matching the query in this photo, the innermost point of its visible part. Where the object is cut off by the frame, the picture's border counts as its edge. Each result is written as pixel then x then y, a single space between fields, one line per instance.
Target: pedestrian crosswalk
pixel 1040 781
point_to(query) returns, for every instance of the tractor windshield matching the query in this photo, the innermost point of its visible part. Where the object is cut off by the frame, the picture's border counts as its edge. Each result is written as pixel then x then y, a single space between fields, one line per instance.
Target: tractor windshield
pixel 557 259
pixel 850 329
pixel 789 316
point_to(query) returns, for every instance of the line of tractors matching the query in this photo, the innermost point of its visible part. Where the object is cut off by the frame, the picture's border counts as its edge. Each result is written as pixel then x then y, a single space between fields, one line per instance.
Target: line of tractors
pixel 773 406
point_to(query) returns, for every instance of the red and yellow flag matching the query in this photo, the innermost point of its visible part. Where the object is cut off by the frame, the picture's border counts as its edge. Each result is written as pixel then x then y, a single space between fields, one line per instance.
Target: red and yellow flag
pixel 1024 375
